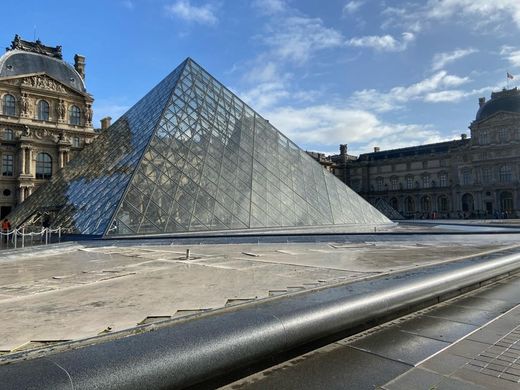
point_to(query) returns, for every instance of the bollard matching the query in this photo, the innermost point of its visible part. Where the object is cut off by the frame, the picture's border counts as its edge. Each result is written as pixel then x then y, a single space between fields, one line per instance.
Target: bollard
pixel 23 237
pixel 187 254
pixel 15 233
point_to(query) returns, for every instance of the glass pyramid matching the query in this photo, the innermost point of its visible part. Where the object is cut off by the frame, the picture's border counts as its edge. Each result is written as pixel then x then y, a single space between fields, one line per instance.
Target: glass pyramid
pixel 191 156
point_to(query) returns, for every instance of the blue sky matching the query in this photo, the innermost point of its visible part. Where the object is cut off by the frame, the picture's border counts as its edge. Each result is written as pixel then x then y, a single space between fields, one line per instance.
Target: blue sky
pixel 367 73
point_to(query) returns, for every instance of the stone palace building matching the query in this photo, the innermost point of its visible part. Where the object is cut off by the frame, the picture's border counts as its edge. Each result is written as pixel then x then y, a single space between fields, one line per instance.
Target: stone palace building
pixel 472 177
pixel 45 117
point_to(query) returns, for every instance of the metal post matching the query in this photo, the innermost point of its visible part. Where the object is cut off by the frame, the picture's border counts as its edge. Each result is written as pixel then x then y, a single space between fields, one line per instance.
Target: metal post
pixel 187 254
pixel 59 234
pixel 23 237
pixel 15 232
pixel 46 230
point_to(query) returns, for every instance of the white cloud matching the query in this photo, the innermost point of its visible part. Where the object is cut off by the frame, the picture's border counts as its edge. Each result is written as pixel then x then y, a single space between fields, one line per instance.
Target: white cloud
pixel 327 125
pixel 297 38
pixel 270 7
pixel 490 10
pixel 444 96
pixel 383 42
pixel 484 16
pixel 511 54
pixel 396 97
pixel 266 95
pixel 204 14
pixel 440 60
pixel 352 6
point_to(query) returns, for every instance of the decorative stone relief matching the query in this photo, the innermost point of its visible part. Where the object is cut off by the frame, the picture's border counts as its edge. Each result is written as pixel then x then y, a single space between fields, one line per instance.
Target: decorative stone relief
pixel 43 83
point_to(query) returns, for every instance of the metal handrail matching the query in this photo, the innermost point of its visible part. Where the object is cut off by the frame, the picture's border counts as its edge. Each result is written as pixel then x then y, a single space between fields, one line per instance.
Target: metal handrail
pixel 18 237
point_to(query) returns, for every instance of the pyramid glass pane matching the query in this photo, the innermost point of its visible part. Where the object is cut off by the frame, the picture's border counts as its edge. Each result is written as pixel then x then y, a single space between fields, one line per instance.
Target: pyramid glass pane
pixel 191 156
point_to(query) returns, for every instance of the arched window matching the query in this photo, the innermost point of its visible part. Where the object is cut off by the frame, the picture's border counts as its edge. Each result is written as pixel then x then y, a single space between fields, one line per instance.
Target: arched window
pixel 505 174
pixel 442 203
pixel 506 201
pixel 43 110
pixel 468 204
pixel 43 166
pixel 409 205
pixel 426 204
pixel 9 105
pixel 74 115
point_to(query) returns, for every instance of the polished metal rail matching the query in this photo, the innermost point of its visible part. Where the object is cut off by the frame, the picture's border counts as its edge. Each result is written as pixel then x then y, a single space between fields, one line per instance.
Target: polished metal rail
pixel 198 349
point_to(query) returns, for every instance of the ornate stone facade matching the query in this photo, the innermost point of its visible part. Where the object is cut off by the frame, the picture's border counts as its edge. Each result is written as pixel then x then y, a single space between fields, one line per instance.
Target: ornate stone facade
pixel 476 177
pixel 45 117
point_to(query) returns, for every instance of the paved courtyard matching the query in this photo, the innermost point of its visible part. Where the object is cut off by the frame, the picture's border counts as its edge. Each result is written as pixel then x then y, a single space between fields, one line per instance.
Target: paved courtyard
pixel 74 291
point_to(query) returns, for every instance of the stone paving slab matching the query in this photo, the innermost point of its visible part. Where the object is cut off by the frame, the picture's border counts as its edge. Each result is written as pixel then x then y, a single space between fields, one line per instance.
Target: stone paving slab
pixel 78 291
pixel 428 361
pixel 488 358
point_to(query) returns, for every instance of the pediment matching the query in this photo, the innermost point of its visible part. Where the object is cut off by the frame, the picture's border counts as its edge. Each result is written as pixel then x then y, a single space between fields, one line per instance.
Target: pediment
pixel 41 81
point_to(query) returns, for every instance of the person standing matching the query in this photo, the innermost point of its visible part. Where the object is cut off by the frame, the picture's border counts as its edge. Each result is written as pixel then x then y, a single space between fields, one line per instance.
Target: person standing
pixel 6 228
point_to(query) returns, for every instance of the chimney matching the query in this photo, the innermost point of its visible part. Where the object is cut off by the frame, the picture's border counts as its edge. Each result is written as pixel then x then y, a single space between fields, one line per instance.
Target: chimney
pixel 343 148
pixel 376 149
pixel 463 136
pixel 106 122
pixel 79 65
pixel 481 101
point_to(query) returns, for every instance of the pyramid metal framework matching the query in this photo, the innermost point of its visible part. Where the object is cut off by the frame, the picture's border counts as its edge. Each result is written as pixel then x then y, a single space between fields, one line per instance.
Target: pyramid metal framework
pixel 191 156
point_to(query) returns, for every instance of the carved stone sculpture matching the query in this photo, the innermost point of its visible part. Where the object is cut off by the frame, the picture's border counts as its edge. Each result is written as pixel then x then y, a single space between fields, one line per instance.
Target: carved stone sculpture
pixel 60 109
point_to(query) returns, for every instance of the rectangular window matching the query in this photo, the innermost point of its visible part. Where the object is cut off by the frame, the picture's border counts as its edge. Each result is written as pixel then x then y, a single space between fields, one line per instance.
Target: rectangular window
pixel 379 184
pixel 75 142
pixel 394 184
pixel 466 177
pixel 443 180
pixel 502 135
pixel 409 183
pixel 7 165
pixel 426 181
pixel 487 175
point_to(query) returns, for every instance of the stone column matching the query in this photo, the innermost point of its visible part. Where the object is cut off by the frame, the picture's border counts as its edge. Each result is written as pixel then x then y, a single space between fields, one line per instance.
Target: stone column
pixel 21 161
pixel 28 158
pixel 21 195
pixel 61 159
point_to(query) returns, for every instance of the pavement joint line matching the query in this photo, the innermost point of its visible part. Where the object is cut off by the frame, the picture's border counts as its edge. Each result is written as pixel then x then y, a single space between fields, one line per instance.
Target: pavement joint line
pixel 466 336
